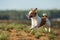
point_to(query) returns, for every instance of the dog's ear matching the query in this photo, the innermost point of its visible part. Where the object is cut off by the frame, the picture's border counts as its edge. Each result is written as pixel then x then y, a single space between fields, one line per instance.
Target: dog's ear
pixel 35 10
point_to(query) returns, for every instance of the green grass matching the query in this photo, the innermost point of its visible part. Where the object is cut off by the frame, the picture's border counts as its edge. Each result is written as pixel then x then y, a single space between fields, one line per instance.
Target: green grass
pixel 37 32
pixel 51 36
pixel 3 35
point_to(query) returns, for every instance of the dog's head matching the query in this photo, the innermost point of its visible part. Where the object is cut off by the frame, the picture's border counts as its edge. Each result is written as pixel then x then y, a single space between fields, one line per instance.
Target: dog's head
pixel 32 13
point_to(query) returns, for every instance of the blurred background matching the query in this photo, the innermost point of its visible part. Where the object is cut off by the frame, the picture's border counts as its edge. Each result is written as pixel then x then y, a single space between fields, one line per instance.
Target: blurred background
pixel 17 10
pixel 14 25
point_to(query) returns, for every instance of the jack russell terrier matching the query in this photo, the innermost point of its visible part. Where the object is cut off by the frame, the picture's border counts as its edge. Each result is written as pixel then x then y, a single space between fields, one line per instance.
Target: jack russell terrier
pixel 37 21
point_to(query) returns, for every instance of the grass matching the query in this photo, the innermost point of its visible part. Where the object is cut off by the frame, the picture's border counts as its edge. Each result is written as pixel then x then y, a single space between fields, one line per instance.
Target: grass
pixel 3 35
pixel 5 28
pixel 51 36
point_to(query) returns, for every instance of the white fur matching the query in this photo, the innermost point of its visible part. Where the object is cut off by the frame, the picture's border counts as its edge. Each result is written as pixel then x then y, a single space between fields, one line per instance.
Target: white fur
pixel 35 22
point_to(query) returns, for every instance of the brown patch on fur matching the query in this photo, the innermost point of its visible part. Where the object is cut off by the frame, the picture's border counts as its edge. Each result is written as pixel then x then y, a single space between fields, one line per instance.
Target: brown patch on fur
pixel 43 21
pixel 33 13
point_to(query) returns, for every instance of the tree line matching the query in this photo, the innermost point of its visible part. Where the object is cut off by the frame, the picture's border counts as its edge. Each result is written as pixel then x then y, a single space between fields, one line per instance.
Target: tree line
pixel 21 14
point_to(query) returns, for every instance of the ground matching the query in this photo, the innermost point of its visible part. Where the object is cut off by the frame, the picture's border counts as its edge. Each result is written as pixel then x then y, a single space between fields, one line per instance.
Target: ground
pixel 21 35
pixel 18 31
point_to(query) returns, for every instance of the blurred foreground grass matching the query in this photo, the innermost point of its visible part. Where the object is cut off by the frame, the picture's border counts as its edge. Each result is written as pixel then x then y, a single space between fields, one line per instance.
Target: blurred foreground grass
pixel 22 32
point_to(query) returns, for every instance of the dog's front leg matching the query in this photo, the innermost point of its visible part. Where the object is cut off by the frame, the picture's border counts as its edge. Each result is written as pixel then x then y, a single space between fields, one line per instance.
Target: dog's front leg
pixel 32 26
pixel 33 23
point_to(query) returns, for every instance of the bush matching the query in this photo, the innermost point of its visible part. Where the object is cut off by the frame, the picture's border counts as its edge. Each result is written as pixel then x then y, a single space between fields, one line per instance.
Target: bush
pixel 37 33
pixel 51 36
pixel 2 26
pixel 3 35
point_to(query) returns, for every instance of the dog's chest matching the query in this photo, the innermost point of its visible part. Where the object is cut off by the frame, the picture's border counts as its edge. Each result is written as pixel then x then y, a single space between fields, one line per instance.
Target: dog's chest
pixel 36 21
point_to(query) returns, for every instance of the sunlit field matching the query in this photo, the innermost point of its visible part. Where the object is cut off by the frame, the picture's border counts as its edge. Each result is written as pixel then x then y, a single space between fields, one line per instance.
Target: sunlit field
pixel 18 16
pixel 21 31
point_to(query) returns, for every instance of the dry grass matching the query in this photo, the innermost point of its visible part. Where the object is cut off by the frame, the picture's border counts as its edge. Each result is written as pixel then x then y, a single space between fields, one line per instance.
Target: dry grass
pixel 18 31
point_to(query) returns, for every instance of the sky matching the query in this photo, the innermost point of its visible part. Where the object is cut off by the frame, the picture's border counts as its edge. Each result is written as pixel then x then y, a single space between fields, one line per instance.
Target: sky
pixel 27 4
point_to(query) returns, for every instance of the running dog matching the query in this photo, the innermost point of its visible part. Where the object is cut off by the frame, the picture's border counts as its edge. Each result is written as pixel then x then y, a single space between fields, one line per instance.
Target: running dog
pixel 37 21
